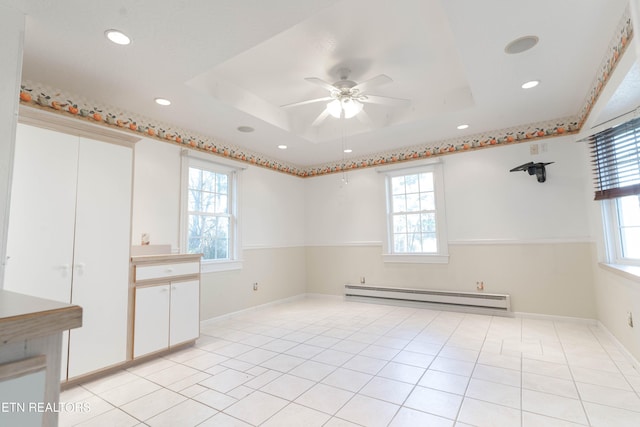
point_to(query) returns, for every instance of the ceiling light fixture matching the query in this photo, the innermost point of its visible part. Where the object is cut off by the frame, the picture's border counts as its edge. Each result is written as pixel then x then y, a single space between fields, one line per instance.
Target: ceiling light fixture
pixel 461 127
pixel 117 37
pixel 348 150
pixel 245 129
pixel 162 101
pixel 282 147
pixel 521 44
pixel 531 84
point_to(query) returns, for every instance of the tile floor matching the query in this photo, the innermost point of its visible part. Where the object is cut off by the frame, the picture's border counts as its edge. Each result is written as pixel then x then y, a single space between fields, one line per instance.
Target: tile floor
pixel 327 362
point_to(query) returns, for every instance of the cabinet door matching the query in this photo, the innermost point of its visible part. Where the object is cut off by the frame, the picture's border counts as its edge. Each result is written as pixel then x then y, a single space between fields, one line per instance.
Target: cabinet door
pixel 42 214
pixel 185 312
pixel 101 257
pixel 151 324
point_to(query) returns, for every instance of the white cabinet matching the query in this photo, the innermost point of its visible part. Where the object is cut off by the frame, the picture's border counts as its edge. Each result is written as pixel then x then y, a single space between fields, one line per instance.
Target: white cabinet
pixel 69 237
pixel 167 302
pixel 184 312
pixel 151 327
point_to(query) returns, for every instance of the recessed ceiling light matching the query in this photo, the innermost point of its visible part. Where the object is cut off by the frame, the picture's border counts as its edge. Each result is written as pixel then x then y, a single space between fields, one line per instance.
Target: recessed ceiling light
pixel 282 147
pixel 118 37
pixel 348 150
pixel 461 127
pixel 162 101
pixel 529 85
pixel 521 44
pixel 245 129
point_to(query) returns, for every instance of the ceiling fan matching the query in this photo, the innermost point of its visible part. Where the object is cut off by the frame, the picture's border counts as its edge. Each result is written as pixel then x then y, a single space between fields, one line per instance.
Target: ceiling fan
pixel 346 97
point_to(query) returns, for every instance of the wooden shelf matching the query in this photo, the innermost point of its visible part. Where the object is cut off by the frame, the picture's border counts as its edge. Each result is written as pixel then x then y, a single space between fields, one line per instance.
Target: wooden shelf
pixel 24 317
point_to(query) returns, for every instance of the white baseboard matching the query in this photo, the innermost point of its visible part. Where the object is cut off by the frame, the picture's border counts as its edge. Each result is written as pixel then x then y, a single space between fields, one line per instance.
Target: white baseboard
pixel 556 318
pixel 213 320
pixel 630 358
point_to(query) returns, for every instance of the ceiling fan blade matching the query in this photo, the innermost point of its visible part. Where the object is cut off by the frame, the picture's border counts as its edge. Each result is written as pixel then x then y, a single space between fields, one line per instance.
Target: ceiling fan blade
pixel 320 117
pixel 309 101
pixel 385 100
pixel 378 80
pixel 321 83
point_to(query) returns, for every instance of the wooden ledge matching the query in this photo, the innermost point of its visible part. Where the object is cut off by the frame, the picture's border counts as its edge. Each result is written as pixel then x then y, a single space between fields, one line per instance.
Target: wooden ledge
pixel 24 317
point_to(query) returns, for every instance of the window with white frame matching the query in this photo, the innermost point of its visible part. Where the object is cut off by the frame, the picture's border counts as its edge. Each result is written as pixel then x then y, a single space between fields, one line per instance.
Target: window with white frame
pixel 210 211
pixel 416 230
pixel 616 160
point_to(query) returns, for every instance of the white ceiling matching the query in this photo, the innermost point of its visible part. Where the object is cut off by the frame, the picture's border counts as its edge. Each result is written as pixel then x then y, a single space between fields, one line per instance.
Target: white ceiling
pixel 229 63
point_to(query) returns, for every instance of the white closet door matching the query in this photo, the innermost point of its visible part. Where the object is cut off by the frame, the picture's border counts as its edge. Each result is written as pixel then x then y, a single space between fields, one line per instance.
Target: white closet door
pixel 101 259
pixel 42 214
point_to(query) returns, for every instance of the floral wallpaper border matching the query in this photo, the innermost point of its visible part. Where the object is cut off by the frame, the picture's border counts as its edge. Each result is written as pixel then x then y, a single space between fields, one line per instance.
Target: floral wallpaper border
pixel 36 95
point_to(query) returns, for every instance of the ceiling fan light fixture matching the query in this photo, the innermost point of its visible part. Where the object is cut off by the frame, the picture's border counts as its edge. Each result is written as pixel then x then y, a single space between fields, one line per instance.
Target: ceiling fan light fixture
pixel 351 107
pixel 335 108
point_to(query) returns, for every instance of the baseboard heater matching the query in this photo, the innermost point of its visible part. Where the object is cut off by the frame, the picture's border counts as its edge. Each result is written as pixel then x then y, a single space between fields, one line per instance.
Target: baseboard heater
pixel 479 302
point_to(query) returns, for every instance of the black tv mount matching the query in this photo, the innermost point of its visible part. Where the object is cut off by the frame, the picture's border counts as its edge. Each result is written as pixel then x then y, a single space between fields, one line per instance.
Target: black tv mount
pixel 537 169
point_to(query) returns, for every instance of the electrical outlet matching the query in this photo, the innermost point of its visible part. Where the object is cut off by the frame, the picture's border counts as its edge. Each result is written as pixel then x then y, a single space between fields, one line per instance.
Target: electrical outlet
pixel 255 286
pixel 533 149
pixel 480 286
pixel 630 319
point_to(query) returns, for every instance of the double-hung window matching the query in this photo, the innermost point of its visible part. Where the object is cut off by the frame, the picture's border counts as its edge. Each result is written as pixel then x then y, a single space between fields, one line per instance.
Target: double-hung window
pixel 616 161
pixel 416 226
pixel 210 213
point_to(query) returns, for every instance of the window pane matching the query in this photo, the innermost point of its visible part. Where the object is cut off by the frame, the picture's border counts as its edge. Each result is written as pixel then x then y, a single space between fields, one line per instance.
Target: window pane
pixel 400 243
pixel 428 223
pixel 426 181
pixel 400 224
pixel 397 185
pixel 222 230
pixel 429 242
pixel 630 237
pixel 413 202
pixel 413 223
pixel 427 201
pixel 414 242
pixel 399 204
pixel 412 183
pixel 221 204
pixel 629 210
pixel 200 202
pixel 222 185
pixel 629 223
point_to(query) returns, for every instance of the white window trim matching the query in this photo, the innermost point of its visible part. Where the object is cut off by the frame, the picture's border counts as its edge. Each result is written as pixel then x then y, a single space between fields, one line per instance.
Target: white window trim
pixel 189 157
pixel 442 256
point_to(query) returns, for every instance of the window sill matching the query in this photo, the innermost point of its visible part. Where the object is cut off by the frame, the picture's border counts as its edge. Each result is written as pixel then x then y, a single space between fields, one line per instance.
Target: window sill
pixel 217 266
pixel 630 272
pixel 416 259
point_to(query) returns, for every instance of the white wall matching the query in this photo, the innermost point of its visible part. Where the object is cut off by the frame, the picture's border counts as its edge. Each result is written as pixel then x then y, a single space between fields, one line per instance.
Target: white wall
pixel 487 202
pixel 156 195
pixel 11 36
pixel 484 201
pixel 521 237
pixel 272 228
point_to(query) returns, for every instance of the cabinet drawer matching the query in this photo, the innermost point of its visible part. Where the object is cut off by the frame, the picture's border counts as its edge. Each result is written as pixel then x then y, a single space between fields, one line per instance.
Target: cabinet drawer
pixel 160 271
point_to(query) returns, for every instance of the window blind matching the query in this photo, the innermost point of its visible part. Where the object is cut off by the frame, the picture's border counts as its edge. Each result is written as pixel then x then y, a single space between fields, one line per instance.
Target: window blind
pixel 615 156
